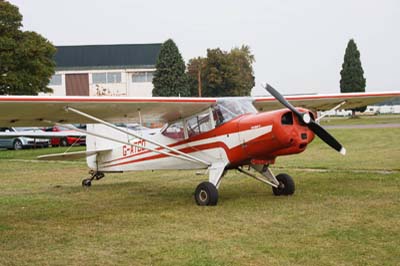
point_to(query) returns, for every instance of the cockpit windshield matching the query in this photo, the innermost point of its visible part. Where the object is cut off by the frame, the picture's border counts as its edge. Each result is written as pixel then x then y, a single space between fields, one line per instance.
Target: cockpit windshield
pixel 206 120
pixel 227 109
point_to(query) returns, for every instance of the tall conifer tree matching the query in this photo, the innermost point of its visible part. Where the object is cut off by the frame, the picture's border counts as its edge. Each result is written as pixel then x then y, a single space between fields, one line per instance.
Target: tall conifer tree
pixel 170 78
pixel 352 73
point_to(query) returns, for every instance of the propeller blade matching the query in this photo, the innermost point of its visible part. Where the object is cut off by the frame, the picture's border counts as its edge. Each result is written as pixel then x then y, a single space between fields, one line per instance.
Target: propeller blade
pixel 314 127
pixel 326 137
pixel 282 100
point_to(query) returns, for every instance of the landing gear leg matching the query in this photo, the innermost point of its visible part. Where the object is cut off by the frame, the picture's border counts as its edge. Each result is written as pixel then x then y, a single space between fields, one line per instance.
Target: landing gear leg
pixel 93 176
pixel 281 184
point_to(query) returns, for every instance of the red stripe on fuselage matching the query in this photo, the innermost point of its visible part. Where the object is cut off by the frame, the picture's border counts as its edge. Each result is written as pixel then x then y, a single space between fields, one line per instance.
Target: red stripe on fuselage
pixel 186 150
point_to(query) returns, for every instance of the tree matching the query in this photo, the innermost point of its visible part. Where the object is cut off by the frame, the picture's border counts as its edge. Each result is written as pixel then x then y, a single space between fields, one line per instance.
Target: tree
pixel 242 60
pixel 352 73
pixel 26 58
pixel 222 73
pixel 170 78
pixel 218 74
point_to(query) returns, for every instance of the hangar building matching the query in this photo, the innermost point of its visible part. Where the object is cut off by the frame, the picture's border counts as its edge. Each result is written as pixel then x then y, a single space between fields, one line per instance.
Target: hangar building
pixel 105 70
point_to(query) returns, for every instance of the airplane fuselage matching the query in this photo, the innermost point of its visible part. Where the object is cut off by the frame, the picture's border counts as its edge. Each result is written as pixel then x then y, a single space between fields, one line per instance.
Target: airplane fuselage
pixel 249 138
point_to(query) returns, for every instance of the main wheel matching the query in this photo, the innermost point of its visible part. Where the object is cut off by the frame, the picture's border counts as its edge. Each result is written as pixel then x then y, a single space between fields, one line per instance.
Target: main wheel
pixel 17 145
pixel 206 194
pixel 286 185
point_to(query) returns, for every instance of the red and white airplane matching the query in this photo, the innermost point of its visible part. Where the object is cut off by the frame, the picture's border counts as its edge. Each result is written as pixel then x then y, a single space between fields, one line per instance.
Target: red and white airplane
pixel 216 134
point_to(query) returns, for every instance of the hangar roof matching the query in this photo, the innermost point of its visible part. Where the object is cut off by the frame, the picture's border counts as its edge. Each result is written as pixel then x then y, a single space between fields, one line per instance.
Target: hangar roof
pixel 106 56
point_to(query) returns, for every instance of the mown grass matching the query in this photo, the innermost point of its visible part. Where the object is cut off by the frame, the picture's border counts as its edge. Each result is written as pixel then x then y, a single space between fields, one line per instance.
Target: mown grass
pixel 336 217
pixel 367 149
pixel 26 154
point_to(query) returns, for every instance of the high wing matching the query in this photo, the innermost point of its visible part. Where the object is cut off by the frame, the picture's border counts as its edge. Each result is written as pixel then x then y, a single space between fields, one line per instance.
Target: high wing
pixel 322 102
pixel 35 110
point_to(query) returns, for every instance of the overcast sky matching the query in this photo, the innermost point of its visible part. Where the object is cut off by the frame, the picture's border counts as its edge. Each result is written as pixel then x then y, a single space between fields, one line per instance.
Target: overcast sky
pixel 298 45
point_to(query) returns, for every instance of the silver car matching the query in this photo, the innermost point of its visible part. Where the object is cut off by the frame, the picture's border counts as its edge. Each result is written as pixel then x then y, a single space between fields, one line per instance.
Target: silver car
pixel 18 143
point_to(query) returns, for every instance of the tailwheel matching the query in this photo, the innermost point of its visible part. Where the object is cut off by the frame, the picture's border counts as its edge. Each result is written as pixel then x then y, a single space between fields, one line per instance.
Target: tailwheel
pixel 93 176
pixel 206 194
pixel 286 185
pixel 86 182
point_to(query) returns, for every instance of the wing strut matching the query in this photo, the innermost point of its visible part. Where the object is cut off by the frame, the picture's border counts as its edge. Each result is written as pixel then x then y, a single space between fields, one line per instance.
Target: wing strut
pixel 183 155
pixel 327 112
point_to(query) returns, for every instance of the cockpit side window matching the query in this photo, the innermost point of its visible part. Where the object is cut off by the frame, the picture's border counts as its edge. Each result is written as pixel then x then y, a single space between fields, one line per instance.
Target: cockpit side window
pixel 199 124
pixel 175 131
pixel 287 119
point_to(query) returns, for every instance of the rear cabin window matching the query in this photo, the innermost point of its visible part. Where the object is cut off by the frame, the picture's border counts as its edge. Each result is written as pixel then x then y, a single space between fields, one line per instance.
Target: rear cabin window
pixel 174 131
pixel 195 125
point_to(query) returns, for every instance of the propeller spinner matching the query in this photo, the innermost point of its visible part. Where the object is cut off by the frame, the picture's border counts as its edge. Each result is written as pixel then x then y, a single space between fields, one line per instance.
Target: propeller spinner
pixel 306 118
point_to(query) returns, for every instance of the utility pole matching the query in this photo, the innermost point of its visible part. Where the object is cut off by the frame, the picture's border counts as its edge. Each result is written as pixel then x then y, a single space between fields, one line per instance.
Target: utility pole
pixel 199 79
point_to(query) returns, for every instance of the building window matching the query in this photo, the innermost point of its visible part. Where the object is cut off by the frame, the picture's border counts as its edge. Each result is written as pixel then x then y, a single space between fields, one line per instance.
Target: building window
pixel 55 80
pixel 106 77
pixel 138 77
pixel 114 77
pixel 99 78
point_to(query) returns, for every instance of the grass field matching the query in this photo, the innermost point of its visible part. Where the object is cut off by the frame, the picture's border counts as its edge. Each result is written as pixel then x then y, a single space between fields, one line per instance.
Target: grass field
pixel 346 211
pixel 361 120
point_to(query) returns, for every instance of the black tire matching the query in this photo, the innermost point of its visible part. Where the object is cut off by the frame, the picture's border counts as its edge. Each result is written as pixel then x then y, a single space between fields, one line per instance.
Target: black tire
pixel 86 183
pixel 63 142
pixel 206 194
pixel 286 185
pixel 17 145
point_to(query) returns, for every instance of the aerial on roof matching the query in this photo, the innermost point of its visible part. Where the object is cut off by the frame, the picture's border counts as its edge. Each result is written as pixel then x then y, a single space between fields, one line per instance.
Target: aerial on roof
pixel 109 56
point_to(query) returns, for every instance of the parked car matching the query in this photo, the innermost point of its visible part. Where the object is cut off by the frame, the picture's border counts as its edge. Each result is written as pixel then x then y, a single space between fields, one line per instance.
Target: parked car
pixel 18 143
pixel 68 140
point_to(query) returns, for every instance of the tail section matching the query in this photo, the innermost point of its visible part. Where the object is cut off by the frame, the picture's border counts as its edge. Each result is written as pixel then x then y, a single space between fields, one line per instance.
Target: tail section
pixel 97 143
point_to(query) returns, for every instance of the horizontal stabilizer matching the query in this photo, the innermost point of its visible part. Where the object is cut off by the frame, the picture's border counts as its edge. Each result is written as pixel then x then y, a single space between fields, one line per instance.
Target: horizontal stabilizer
pixel 70 155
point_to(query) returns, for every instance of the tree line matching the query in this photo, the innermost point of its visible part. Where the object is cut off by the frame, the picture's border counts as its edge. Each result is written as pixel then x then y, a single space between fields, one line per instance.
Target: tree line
pixel 220 73
pixel 223 73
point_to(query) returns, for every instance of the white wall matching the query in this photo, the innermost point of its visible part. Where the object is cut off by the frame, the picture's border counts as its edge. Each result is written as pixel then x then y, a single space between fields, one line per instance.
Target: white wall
pixel 371 109
pixel 125 88
pixel 384 109
pixel 58 90
pixel 138 89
